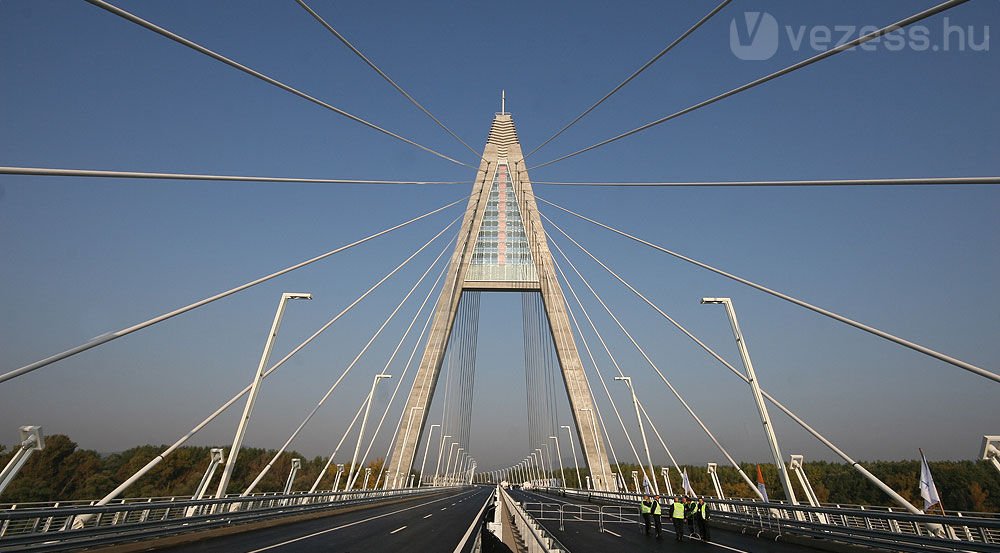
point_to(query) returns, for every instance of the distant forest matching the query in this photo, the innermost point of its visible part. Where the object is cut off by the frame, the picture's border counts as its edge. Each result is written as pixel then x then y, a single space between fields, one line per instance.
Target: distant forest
pixel 63 471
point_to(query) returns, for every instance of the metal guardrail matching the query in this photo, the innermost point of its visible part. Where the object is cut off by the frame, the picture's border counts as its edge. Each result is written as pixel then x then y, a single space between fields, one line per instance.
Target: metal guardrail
pixel 536 538
pixel 884 528
pixel 58 527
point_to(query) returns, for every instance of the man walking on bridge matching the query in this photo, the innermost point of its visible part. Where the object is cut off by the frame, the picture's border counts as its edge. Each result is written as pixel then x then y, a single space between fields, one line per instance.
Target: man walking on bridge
pixel 677 514
pixel 646 510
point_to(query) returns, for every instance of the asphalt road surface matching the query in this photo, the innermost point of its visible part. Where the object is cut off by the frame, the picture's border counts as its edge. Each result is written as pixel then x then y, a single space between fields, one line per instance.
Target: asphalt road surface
pixel 584 537
pixel 447 523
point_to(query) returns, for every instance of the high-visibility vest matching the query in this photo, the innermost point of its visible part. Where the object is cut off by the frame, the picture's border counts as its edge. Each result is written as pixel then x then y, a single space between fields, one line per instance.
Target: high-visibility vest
pixel 678 510
pixel 644 507
pixel 702 509
pixel 656 507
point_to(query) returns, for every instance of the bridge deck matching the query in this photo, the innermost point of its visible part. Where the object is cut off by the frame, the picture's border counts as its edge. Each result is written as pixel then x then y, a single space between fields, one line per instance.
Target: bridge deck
pixel 583 537
pixel 424 524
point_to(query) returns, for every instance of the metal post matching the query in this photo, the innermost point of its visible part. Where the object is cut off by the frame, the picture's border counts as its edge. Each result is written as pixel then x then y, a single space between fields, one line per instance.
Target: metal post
pixel 440 451
pixel 336 482
pixel 215 459
pixel 666 481
pixel 548 473
pixel 427 447
pixel 597 442
pixel 772 438
pixel 406 436
pixel 572 447
pixel 241 428
pixel 990 451
pixel 538 466
pixel 642 431
pixel 368 474
pixel 635 480
pixel 447 466
pixel 713 473
pixel 796 464
pixel 357 448
pixel 32 440
pixel 588 482
pixel 296 465
pixel 562 471
pixel 458 455
pixel 412 476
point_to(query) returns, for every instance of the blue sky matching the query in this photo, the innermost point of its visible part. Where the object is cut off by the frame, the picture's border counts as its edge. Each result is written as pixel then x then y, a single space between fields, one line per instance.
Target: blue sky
pixel 82 88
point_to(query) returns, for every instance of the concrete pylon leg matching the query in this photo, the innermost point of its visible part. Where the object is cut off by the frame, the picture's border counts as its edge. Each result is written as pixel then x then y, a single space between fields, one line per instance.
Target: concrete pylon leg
pixel 502 247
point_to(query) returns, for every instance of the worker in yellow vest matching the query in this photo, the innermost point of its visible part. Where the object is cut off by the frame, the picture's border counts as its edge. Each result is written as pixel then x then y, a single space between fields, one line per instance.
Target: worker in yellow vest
pixel 701 517
pixel 677 515
pixel 657 513
pixel 646 509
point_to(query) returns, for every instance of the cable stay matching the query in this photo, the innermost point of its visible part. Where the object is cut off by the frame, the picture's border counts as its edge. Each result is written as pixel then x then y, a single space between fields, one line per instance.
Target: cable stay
pixel 868 475
pixel 253 73
pixel 197 428
pixel 107 337
pixel 54 172
pixel 794 67
pixel 933 181
pixel 395 351
pixel 597 370
pixel 634 74
pixel 382 74
pixel 326 396
pixel 645 356
pixel 872 330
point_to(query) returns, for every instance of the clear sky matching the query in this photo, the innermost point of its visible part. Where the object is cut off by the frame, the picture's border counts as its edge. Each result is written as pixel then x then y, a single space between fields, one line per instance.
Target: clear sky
pixel 81 88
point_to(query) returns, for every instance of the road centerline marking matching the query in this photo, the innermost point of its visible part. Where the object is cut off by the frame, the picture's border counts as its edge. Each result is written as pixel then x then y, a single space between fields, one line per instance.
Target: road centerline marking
pixel 397 530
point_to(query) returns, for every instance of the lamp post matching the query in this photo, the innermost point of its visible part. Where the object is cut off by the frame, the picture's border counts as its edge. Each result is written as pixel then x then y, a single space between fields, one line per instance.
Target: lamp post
pixel 241 428
pixel 572 447
pixel 361 434
pixel 642 430
pixel 548 458
pixel 597 441
pixel 458 455
pixel 447 466
pixel 406 437
pixel 562 471
pixel 427 447
pixel 538 464
pixel 758 398
pixel 541 461
pixel 437 468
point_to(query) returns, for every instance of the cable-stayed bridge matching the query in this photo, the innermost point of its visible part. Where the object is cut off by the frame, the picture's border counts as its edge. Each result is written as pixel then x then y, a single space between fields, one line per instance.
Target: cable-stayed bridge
pixel 569 488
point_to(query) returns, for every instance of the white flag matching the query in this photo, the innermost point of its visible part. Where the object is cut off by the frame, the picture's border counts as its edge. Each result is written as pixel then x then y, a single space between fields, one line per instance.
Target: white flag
pixel 688 490
pixel 928 490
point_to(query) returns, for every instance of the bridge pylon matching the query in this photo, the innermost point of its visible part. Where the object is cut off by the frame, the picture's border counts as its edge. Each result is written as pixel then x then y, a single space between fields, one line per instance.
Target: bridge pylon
pixel 501 247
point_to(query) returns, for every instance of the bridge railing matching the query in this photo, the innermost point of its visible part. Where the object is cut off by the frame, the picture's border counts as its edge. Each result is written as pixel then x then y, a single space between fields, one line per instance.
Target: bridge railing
pixel 536 538
pixel 901 531
pixel 41 527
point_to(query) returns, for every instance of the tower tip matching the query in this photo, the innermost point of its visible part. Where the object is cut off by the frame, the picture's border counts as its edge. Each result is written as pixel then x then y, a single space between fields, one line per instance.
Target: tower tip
pixel 503 101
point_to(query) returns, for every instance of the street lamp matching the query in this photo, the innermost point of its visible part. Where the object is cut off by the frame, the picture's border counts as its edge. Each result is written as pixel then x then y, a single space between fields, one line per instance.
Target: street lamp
pixel 562 471
pixel 427 447
pixel 572 447
pixel 440 451
pixel 364 421
pixel 447 466
pixel 406 437
pixel 241 428
pixel 758 398
pixel 597 447
pixel 635 403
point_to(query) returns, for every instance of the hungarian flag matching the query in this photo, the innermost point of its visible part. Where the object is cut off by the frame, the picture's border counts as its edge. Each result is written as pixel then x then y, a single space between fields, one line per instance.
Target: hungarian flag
pixel 760 485
pixel 928 490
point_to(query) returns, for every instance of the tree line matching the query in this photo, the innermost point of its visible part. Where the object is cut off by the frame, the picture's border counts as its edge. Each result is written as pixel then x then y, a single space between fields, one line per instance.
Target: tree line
pixel 64 471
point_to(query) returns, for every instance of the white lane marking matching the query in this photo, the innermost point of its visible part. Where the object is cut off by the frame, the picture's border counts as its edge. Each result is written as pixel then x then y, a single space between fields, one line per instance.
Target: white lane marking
pixel 474 525
pixel 606 531
pixel 444 508
pixel 342 526
pixel 429 516
pixel 397 530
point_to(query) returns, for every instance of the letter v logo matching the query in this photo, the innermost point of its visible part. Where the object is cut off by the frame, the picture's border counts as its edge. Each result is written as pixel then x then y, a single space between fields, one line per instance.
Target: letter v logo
pixel 755 38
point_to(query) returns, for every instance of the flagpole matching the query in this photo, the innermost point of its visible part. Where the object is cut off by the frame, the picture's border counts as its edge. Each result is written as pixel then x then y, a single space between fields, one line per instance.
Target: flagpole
pixel 923 459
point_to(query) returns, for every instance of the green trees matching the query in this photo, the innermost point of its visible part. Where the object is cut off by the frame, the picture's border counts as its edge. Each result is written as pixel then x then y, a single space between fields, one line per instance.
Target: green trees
pixel 63 471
